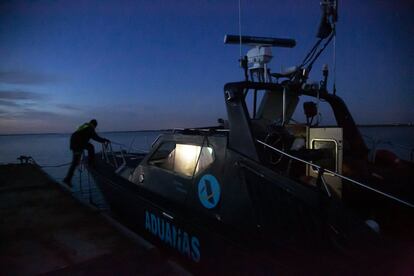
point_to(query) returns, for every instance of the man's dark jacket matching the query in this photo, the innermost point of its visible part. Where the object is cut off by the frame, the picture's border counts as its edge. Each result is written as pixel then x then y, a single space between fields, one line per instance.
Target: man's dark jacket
pixel 81 137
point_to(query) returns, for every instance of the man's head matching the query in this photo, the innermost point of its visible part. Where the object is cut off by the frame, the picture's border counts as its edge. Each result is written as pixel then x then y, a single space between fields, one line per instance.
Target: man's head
pixel 94 123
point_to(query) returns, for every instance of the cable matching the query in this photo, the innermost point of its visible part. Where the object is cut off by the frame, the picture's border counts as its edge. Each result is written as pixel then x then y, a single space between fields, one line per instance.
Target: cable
pixel 334 60
pixel 319 52
pixel 55 166
pixel 240 35
pixel 311 53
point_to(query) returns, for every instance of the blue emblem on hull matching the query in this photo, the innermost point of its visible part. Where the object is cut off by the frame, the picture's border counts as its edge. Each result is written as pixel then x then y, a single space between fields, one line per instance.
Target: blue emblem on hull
pixel 209 191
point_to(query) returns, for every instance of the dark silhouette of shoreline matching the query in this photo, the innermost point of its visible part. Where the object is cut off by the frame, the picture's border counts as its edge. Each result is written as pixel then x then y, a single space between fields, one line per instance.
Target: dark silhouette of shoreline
pixel 388 125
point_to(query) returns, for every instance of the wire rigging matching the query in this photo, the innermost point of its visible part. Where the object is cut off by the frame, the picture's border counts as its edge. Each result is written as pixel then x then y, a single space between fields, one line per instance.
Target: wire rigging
pixel 334 60
pixel 311 53
pixel 240 35
pixel 319 52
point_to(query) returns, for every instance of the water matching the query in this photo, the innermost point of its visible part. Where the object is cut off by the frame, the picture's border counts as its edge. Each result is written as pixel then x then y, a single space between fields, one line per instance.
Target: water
pixel 399 140
pixel 50 150
pixel 53 149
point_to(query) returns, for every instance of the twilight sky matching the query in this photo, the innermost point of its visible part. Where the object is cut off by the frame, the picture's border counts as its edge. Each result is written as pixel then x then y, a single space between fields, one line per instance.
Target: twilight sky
pixel 137 65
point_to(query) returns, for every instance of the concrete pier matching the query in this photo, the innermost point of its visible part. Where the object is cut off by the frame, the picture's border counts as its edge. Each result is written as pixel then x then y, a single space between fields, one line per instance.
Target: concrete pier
pixel 44 230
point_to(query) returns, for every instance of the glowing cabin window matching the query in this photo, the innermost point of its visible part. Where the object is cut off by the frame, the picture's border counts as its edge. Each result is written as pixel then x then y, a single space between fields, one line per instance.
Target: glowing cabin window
pixel 206 158
pixel 186 157
pixel 183 159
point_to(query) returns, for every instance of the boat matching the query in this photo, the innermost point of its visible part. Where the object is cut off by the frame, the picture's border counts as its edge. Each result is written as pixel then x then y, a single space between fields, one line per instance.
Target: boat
pixel 261 193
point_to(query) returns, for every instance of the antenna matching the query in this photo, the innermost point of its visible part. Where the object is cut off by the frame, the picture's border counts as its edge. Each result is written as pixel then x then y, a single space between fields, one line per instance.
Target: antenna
pixel 335 19
pixel 260 55
pixel 240 35
pixel 334 61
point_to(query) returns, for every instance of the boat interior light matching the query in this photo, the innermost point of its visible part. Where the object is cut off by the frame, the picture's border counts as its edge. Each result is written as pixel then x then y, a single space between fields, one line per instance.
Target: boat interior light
pixel 186 157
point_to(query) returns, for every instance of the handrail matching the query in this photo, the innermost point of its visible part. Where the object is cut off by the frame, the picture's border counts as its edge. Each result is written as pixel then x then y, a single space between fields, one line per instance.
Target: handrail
pixel 107 148
pixel 105 153
pixel 113 155
pixel 110 156
pixel 319 168
pixel 121 146
pixel 156 140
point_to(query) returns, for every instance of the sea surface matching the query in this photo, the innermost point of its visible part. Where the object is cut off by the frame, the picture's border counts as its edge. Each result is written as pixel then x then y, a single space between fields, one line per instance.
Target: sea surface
pixel 51 151
pixel 398 139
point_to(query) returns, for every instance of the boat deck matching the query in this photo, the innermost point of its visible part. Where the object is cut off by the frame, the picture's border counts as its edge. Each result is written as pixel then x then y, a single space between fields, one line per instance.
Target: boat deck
pixel 44 230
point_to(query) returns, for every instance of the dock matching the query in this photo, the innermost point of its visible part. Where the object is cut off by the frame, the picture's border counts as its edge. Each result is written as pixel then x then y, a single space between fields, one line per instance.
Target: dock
pixel 45 230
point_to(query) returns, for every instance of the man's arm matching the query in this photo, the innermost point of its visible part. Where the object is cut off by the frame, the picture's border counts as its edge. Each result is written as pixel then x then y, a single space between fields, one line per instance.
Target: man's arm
pixel 98 138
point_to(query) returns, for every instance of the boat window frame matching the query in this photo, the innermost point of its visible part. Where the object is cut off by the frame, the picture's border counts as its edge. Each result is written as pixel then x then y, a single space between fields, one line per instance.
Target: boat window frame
pixel 336 152
pixel 196 164
pixel 156 151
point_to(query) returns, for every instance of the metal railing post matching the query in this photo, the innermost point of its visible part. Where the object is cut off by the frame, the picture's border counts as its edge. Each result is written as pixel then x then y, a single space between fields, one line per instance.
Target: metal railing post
pixel 320 181
pixel 113 156
pixel 105 152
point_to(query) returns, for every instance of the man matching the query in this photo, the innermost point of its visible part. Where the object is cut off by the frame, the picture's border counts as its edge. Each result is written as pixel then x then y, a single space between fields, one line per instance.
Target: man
pixel 79 141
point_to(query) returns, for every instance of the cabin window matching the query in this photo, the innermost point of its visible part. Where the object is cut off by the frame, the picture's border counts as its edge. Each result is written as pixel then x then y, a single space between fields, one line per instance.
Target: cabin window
pixel 329 160
pixel 186 157
pixel 164 156
pixel 206 158
pixel 183 159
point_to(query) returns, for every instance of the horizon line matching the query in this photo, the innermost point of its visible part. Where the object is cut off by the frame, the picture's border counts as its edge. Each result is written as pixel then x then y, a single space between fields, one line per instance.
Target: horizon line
pixel 60 133
pixel 411 124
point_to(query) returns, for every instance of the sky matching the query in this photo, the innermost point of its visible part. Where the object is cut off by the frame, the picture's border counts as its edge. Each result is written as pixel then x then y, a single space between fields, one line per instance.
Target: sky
pixel 139 65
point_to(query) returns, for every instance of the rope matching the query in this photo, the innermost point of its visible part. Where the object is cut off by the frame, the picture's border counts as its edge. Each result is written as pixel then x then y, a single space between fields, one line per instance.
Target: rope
pixel 30 160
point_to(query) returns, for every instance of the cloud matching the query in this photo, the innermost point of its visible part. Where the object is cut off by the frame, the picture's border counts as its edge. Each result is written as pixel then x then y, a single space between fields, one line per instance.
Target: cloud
pixel 39 114
pixel 8 103
pixel 26 113
pixel 25 77
pixel 69 107
pixel 20 95
pixel 28 106
pixel 26 99
pixel 29 120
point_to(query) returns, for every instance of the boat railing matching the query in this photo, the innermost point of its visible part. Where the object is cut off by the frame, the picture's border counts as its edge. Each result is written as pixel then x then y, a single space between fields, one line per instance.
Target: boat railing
pixel 176 129
pixel 202 130
pixel 321 180
pixel 156 140
pixel 110 157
